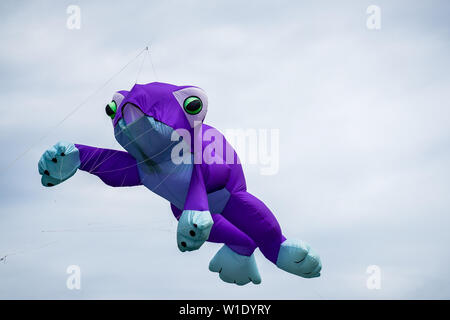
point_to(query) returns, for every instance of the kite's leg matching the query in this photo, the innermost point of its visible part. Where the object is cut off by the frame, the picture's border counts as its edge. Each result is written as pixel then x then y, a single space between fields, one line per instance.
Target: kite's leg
pixel 225 232
pixel 253 217
pixel 235 261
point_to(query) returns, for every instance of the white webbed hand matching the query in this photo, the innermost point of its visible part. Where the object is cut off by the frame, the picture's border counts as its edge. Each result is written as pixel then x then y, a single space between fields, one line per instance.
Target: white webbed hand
pixel 58 163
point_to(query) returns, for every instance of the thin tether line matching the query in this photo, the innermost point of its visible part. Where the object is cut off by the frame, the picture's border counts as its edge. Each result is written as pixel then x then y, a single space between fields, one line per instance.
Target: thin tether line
pixel 153 67
pixel 134 165
pixel 116 151
pixel 142 65
pixel 45 135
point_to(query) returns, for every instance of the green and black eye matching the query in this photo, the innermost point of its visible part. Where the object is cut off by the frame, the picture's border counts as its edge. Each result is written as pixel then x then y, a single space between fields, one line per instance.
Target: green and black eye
pixel 111 109
pixel 193 105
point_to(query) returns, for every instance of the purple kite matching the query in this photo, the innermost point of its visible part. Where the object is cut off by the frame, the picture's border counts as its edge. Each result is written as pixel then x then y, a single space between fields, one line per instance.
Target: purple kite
pixel 173 153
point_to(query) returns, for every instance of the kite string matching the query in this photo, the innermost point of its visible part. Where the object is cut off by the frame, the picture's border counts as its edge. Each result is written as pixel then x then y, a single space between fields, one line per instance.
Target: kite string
pixel 95 166
pixel 153 67
pixel 3 258
pixel 133 165
pixel 142 65
pixel 45 135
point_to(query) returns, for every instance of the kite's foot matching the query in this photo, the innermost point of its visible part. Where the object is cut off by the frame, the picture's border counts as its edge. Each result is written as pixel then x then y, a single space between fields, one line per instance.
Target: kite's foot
pixel 235 268
pixel 298 258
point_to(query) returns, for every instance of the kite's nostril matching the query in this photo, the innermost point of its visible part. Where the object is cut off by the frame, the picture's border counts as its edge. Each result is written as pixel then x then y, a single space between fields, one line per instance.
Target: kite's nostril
pixel 54 160
pixel 183 244
pixel 46 172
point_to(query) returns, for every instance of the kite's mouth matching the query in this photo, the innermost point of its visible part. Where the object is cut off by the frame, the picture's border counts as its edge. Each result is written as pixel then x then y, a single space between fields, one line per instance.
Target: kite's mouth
pixel 131 113
pixel 143 136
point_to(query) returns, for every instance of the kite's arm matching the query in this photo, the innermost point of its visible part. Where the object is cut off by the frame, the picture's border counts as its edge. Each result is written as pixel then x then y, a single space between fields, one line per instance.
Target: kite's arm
pixel 197 198
pixel 195 222
pixel 115 168
pixel 60 162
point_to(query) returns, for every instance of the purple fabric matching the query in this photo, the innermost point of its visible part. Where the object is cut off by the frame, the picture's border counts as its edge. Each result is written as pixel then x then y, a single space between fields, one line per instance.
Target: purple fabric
pixel 246 217
pixel 225 232
pixel 196 198
pixel 113 167
pixel 243 210
pixel 251 216
pixel 245 222
pixel 223 174
pixel 244 213
pixel 164 109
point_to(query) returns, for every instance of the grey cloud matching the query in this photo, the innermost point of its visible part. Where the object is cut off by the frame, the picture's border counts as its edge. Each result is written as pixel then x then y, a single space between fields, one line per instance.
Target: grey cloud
pixel 363 132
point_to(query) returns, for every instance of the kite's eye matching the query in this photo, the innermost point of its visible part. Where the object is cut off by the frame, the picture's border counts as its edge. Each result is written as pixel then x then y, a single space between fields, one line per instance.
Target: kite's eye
pixel 111 109
pixel 193 105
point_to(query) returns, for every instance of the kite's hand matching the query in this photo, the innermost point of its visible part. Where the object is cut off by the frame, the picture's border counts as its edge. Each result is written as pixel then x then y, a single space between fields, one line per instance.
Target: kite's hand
pixel 58 163
pixel 193 229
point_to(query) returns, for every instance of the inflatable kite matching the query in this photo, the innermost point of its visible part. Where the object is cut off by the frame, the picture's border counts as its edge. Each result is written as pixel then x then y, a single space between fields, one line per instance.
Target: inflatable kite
pixel 169 150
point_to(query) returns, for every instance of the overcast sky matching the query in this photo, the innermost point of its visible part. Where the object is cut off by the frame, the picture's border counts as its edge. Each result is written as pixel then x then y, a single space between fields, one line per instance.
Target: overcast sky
pixel 364 143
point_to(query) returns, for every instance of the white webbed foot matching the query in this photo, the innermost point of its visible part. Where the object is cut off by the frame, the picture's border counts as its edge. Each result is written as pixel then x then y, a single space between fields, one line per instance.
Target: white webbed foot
pixel 235 268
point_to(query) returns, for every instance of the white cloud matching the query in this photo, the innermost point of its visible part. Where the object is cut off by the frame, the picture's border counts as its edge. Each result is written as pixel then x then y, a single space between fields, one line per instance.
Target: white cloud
pixel 363 129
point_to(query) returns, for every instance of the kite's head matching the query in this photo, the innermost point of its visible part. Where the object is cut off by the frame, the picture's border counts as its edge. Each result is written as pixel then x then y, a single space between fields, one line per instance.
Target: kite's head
pixel 146 117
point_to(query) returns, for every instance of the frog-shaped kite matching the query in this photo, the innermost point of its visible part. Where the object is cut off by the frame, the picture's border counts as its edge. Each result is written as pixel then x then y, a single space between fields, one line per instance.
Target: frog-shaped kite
pixel 161 128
